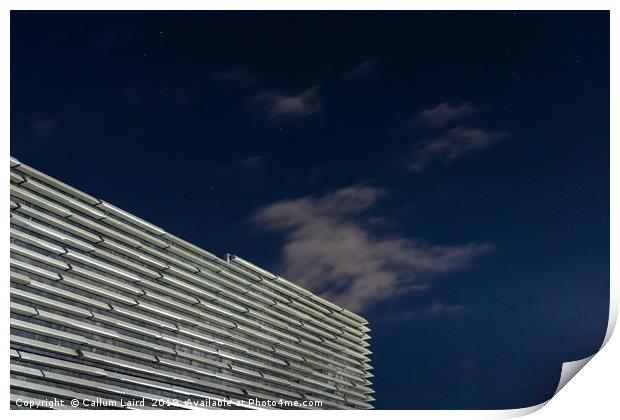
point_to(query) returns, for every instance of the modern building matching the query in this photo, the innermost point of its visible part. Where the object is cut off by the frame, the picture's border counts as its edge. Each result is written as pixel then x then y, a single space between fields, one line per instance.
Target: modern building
pixel 114 312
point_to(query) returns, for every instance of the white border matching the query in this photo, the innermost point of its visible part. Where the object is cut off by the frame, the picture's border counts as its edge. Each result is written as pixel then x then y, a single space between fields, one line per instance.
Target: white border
pixel 594 394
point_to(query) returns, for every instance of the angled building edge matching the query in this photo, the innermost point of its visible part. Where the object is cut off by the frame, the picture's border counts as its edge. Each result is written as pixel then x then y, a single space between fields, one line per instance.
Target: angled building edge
pixel 109 309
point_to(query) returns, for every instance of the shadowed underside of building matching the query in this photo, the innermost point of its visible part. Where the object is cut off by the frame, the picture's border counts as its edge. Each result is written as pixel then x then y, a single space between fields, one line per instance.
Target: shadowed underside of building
pixel 112 311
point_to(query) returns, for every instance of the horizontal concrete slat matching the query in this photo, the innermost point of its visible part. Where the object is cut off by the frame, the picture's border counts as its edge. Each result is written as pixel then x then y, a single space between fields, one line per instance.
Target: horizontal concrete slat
pixel 151 283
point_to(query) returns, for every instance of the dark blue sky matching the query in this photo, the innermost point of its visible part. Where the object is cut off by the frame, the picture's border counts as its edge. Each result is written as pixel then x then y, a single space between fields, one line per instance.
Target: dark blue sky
pixel 446 174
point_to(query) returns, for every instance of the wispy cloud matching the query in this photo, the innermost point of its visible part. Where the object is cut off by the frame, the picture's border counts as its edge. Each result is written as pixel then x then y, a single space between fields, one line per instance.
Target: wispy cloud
pixel 331 250
pixel 252 162
pixel 440 308
pixel 451 145
pixel 281 107
pixel 435 309
pixel 235 75
pixel 363 69
pixel 42 127
pixel 445 114
pixel 446 135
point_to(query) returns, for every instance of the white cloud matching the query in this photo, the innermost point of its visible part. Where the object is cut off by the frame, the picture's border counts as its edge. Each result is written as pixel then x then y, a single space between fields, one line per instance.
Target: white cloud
pixel 445 114
pixel 281 107
pixel 451 145
pixel 330 250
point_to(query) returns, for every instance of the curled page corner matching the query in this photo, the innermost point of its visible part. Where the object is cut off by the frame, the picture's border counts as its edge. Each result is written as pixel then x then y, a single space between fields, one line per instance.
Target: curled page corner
pixel 519 412
pixel 569 370
pixel 613 317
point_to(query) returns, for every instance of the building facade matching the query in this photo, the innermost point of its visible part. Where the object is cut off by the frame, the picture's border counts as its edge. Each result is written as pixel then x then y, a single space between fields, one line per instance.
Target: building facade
pixel 114 312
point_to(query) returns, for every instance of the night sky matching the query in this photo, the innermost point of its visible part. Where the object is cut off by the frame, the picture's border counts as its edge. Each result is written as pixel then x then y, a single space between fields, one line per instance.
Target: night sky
pixel 446 174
